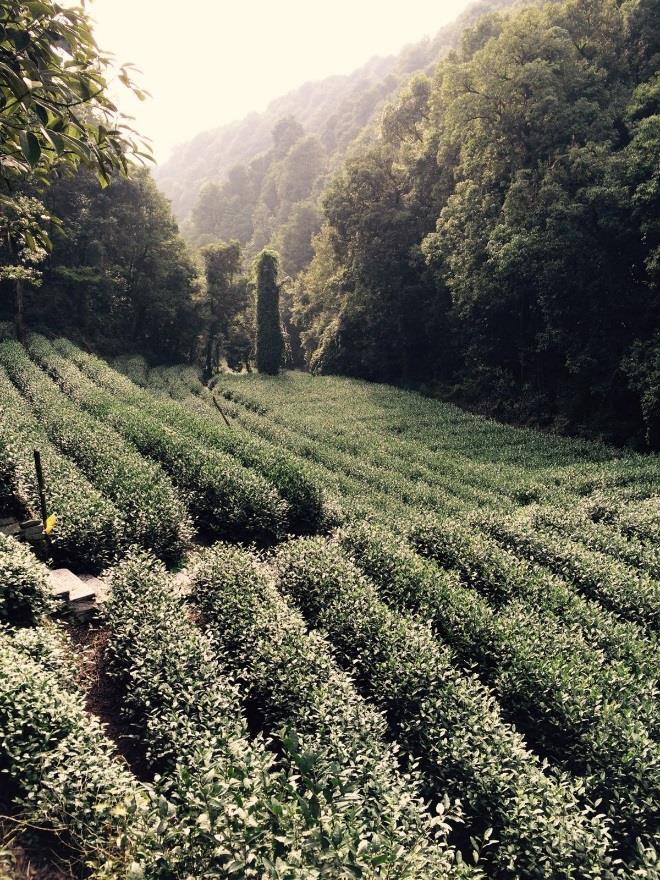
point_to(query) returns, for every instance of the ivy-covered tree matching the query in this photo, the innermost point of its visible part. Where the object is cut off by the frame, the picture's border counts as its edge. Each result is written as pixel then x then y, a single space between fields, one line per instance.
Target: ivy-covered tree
pixel 270 343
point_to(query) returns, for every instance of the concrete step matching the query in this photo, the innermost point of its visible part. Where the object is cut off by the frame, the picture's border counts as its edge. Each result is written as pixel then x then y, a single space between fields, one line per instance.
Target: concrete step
pixel 62 582
pixel 83 593
pixel 84 611
pixel 97 584
pixel 80 593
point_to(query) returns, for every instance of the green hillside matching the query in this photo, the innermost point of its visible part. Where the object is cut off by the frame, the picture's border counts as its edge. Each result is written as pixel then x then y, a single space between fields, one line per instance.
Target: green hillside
pixel 409 606
pixel 330 524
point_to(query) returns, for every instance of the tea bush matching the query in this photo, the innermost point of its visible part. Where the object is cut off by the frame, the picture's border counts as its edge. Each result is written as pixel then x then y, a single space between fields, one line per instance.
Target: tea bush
pixel 155 515
pixel 225 497
pixel 24 591
pixel 89 530
pixel 290 678
pixel 303 495
pixel 586 715
pixel 449 721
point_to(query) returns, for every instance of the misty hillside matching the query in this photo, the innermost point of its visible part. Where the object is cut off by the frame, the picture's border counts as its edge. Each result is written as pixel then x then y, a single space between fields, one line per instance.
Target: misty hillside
pixel 337 110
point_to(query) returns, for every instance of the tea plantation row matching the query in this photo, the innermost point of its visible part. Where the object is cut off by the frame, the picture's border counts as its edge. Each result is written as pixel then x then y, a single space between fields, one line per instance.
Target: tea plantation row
pixel 434 655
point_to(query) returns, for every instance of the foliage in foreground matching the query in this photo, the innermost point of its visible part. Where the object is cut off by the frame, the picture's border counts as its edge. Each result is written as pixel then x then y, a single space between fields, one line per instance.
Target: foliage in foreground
pixel 239 811
pixel 24 589
pixel 291 679
pixel 449 721
pixel 61 769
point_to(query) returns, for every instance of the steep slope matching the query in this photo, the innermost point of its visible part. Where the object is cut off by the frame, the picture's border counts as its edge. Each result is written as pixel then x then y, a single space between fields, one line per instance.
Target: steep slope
pixel 336 110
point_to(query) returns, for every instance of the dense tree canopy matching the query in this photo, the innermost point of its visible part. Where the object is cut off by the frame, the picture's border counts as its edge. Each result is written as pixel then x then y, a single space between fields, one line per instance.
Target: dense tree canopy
pixel 119 276
pixel 55 117
pixel 54 107
pixel 492 234
pixel 227 298
pixel 503 234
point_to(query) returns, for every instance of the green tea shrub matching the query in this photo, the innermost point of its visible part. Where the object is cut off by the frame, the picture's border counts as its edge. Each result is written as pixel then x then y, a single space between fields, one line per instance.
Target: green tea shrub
pixel 291 679
pixel 89 530
pixel 449 721
pixel 24 591
pixel 154 513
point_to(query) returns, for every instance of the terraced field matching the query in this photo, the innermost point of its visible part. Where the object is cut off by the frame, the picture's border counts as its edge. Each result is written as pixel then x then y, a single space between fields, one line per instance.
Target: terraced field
pixel 413 643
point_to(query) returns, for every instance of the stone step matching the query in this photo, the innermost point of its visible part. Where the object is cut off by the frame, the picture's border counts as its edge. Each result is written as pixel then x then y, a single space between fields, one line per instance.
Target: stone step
pixel 11 529
pixel 62 582
pixel 99 586
pixel 82 594
pixel 84 611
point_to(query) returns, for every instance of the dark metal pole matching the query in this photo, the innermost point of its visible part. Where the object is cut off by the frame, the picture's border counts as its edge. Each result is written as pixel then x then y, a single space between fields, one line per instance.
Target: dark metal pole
pixel 222 412
pixel 42 486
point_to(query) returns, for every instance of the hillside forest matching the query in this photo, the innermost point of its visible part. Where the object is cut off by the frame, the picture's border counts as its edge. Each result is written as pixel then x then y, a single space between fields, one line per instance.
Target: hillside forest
pixel 282 597
pixel 476 218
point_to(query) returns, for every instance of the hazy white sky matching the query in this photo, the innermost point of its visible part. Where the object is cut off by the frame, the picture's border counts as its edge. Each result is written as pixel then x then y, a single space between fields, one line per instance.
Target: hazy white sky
pixel 207 62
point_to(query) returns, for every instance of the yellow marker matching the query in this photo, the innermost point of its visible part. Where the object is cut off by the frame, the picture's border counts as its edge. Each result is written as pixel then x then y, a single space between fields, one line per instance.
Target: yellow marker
pixel 50 523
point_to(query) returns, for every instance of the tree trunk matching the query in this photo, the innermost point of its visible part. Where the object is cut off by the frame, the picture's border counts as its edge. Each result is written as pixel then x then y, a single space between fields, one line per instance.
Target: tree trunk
pixel 19 317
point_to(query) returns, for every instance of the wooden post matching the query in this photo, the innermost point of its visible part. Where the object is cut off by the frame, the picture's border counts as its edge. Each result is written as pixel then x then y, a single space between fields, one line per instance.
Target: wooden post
pixel 222 412
pixel 42 486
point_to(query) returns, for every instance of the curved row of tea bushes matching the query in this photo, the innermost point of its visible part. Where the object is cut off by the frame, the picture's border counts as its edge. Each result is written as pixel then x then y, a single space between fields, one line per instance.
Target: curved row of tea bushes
pixel 432 424
pixel 291 679
pixel 303 495
pixel 154 514
pixel 632 594
pixel 335 483
pixel 224 497
pixel 500 576
pixel 24 591
pixel 356 467
pixel 641 519
pixel 484 463
pixel 450 721
pixel 175 695
pixel 59 770
pixel 240 813
pixel 596 536
pixel 622 475
pixel 561 693
pixel 417 469
pixel 90 530
pixel 633 517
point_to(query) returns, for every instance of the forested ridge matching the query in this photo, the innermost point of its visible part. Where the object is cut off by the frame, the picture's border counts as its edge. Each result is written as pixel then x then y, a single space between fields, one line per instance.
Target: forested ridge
pixel 258 623
pixel 335 113
pixel 493 233
pixel 501 238
pixel 476 218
